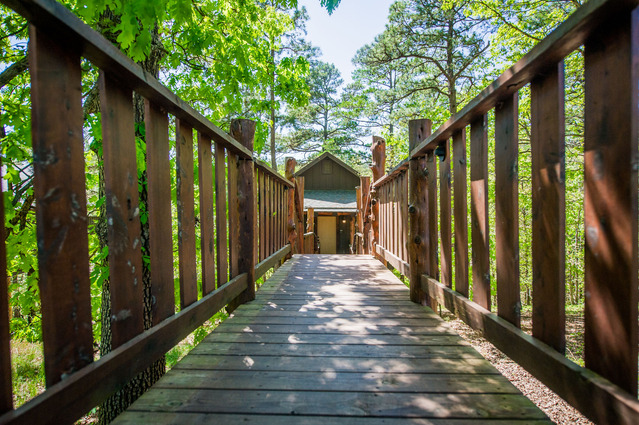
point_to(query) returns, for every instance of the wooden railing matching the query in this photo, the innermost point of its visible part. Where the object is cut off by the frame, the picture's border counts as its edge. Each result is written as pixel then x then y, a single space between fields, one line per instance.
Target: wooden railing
pixel 272 198
pixel 606 389
pixel 392 195
pixel 228 188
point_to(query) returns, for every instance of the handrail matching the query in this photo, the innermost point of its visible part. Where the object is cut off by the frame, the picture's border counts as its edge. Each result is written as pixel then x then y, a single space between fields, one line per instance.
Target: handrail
pixel 606 389
pixel 273 173
pixel 398 169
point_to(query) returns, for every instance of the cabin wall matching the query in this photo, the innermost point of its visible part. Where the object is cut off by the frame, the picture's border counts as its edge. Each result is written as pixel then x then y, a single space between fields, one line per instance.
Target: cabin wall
pixel 329 175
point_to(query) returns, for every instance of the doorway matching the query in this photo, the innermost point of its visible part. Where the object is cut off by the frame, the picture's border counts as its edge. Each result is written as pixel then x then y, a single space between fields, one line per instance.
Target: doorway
pixel 327 232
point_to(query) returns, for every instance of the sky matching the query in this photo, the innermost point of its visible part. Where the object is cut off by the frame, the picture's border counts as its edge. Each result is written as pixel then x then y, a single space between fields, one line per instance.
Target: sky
pixel 352 25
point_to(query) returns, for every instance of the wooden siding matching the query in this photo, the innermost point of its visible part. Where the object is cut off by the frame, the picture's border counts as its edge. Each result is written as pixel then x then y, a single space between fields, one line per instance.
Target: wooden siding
pixel 338 178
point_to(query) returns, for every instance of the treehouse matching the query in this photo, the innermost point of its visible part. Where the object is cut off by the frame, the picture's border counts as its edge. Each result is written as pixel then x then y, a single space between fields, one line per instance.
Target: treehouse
pixel 330 201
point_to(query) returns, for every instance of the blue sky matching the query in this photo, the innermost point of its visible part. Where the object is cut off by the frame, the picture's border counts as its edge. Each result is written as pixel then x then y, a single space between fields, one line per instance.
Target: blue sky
pixel 352 25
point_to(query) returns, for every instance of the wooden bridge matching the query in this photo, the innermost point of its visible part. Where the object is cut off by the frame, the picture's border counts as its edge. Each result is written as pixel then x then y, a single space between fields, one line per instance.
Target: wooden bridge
pixel 333 337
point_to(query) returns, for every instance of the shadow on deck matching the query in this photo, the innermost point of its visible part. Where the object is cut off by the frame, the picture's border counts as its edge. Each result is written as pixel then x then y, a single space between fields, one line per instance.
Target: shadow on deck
pixel 333 339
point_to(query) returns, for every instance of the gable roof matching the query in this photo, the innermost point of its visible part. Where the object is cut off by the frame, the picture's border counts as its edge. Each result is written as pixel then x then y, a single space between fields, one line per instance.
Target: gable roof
pixel 320 158
pixel 330 200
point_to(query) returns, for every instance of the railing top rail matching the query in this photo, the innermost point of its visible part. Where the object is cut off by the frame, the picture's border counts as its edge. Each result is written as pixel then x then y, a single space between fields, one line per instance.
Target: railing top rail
pixel 51 16
pixel 390 175
pixel 270 171
pixel 571 34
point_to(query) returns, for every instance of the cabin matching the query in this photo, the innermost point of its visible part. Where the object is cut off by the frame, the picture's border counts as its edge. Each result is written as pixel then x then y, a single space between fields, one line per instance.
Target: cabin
pixel 330 194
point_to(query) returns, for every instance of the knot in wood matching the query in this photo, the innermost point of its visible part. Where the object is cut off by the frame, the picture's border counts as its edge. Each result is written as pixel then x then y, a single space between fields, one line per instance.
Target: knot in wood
pixel 412 209
pixel 417 240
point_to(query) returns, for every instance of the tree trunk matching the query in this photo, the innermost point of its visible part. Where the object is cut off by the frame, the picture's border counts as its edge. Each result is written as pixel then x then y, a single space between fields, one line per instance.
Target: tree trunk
pixel 122 399
pixel 273 159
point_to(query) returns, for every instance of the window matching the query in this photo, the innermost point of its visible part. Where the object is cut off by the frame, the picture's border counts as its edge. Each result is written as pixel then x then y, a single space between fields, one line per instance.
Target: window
pixel 327 166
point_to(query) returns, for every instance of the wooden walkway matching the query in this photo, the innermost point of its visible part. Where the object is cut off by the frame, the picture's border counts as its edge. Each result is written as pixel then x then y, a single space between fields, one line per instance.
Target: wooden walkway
pixel 333 340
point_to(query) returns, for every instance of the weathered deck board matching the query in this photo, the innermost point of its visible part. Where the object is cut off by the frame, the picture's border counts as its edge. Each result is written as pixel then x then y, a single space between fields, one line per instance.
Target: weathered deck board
pixel 333 339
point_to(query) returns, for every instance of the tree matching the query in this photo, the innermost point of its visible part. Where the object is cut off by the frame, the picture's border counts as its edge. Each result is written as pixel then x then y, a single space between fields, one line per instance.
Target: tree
pixel 320 122
pixel 430 48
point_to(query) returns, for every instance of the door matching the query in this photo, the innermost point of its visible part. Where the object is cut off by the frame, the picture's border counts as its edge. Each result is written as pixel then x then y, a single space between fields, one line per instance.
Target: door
pixel 327 232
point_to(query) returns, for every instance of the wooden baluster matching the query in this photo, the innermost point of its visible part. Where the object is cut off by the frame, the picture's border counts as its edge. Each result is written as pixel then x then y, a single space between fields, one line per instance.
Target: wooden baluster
pixel 6 387
pixel 121 188
pixel 384 218
pixel 405 216
pixel 244 132
pixel 234 213
pixel 479 211
pixel 276 203
pixel 256 246
pixel 548 203
pixel 432 263
pixel 290 206
pixel 220 216
pixel 268 222
pixel 506 210
pixel 186 213
pixel 262 214
pixel 445 219
pixel 396 222
pixel 418 213
pixel 611 164
pixel 282 213
pixel 278 217
pixel 159 204
pixel 61 215
pixel 460 208
pixel 207 236
pixel 365 183
pixel 272 216
pixel 299 211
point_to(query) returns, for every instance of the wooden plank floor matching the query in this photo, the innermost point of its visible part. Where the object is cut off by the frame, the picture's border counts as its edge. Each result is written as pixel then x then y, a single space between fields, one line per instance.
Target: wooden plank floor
pixel 333 340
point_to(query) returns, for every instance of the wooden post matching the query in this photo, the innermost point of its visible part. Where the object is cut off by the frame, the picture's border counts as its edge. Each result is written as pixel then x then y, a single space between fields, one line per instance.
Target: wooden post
pixel 479 211
pixel 610 162
pixel 445 216
pixel 244 132
pixel 61 214
pixel 310 216
pixel 418 256
pixel 461 212
pixel 365 184
pixel 549 207
pixel 352 236
pixel 507 210
pixel 299 212
pixel 292 235
pixel 378 150
pixel 358 217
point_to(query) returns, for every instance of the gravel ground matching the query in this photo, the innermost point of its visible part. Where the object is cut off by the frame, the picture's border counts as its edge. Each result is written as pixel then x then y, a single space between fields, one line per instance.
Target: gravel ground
pixel 550 403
